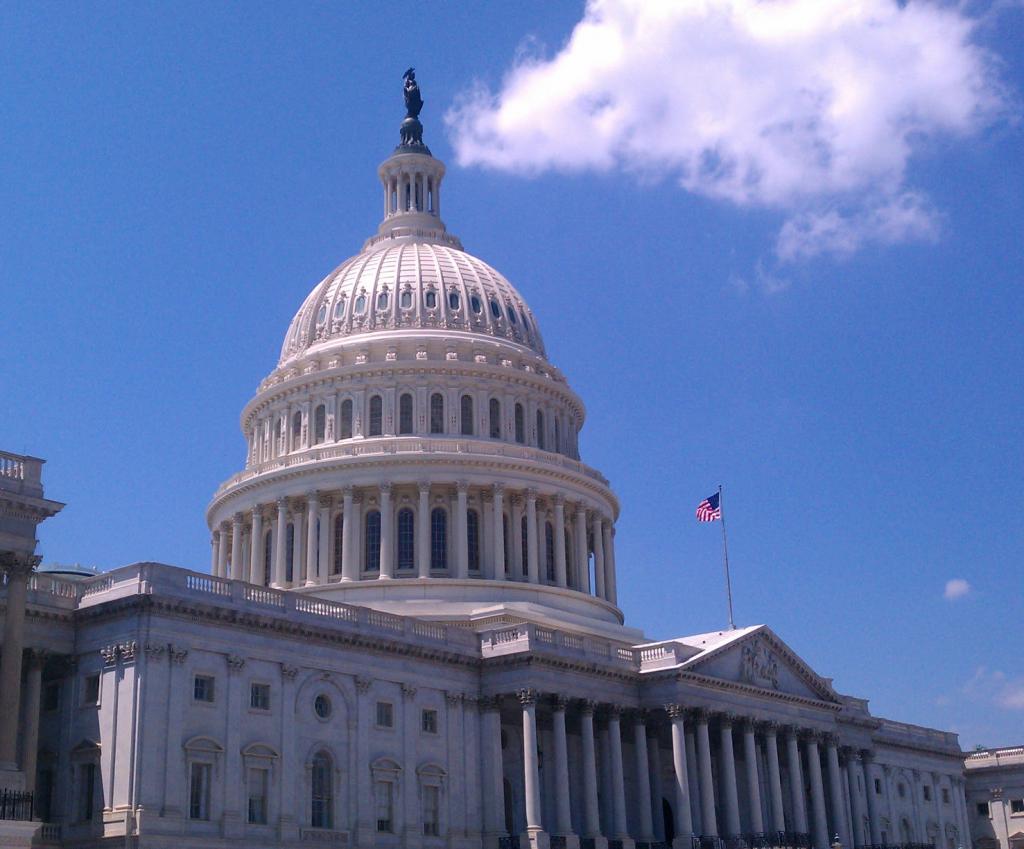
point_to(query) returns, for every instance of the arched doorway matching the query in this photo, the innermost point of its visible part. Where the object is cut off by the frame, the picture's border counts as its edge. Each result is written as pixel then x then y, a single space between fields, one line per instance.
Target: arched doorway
pixel 670 823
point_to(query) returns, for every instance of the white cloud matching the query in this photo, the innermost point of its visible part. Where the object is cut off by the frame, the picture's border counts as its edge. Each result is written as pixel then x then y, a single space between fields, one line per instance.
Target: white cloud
pixel 996 687
pixel 956 588
pixel 810 107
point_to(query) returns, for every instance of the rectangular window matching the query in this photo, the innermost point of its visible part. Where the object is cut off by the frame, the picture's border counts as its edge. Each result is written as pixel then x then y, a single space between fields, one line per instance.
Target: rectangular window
pixel 982 809
pixel 431 810
pixel 86 792
pixel 199 792
pixel 384 807
pixel 259 696
pixel 927 793
pixel 1017 806
pixel 258 792
pixel 878 787
pixel 51 696
pixel 91 690
pixel 202 689
pixel 385 715
pixel 945 795
pixel 429 722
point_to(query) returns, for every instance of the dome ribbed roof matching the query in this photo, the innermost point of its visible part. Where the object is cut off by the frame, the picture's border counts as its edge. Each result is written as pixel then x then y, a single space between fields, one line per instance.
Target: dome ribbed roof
pixel 410 285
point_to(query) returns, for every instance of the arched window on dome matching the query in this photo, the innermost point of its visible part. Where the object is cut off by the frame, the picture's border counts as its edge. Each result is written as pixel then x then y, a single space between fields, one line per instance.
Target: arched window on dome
pixel 570 560
pixel 475 304
pixel 406 537
pixel 540 429
pixel 382 301
pixel 296 430
pixel 495 309
pixel 511 310
pixel 372 538
pixel 339 307
pixel 360 305
pixel 438 539
pixel 524 538
pixel 405 300
pixel 319 423
pixel 345 426
pixel 437 413
pixel 466 415
pixel 289 553
pixel 430 299
pixel 321 814
pixel 520 425
pixel 473 539
pixel 321 314
pixel 558 436
pixel 453 301
pixel 376 415
pixel 268 554
pixel 494 413
pixel 549 551
pixel 405 413
pixel 339 535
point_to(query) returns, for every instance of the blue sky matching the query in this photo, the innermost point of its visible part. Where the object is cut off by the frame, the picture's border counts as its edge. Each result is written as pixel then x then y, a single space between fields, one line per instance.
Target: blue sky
pixel 819 309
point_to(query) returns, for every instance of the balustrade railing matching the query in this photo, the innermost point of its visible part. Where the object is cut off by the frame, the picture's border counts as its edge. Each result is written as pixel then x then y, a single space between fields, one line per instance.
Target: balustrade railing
pixel 16 805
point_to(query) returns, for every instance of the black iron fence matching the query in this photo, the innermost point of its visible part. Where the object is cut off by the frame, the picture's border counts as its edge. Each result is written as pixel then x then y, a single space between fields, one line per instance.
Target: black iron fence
pixel 15 805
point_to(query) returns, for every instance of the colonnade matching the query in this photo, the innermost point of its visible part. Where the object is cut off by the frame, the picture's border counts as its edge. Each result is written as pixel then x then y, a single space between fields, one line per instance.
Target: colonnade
pixel 801 788
pixel 408 530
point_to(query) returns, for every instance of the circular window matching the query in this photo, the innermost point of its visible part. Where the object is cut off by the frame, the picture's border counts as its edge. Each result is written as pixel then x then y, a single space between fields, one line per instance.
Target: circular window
pixel 322 706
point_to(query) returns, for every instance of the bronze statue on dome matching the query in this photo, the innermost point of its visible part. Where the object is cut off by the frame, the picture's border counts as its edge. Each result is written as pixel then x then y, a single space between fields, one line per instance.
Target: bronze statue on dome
pixel 412 130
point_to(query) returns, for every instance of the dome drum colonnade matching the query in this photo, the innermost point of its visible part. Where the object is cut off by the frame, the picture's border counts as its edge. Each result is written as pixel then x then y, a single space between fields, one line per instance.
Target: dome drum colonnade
pixel 414 429
pixel 802 787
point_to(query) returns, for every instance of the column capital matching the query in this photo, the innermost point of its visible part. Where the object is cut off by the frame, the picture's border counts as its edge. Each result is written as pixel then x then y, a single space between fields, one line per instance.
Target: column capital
pixel 288 671
pixel 559 702
pixel 225 526
pixel 18 565
pixel 791 731
pixel 462 487
pixel 36 657
pixel 639 716
pixel 489 703
pixel 385 488
pixel 516 500
pixel 423 487
pixel 581 510
pixel 726 718
pixel 810 735
pixel 867 755
pixel 588 706
pixel 282 503
pixel 239 517
pixel 830 738
pixel 700 715
pixel 527 696
pixel 676 711
pixel 311 497
pixel 612 711
pixel 347 491
pixel 408 692
pixel 558 500
pixel 850 753
pixel 769 727
pixel 326 500
pixel 749 724
pixel 531 495
pixel 498 489
pixel 257 512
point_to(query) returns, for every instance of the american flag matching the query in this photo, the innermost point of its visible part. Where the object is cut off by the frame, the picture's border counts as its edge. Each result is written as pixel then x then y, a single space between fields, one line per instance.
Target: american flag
pixel 709 509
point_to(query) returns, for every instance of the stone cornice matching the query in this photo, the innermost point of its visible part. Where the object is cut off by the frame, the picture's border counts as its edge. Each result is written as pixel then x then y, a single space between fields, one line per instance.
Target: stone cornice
pixel 533 659
pixel 739 687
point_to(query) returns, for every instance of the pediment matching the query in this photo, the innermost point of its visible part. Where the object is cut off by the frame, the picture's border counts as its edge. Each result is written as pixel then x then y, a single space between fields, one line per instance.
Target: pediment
pixel 758 658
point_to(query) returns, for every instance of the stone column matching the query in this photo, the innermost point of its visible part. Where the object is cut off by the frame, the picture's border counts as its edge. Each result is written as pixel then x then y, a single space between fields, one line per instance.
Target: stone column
pixel 796 780
pixel 819 837
pixel 349 561
pixel 312 542
pixel 619 825
pixel 461 531
pixel 423 531
pixel 17 567
pixel 531 770
pixel 654 776
pixel 532 566
pixel 256 566
pixel 591 813
pixel 492 774
pixel 298 564
pixel 874 820
pixel 856 802
pixel 280 536
pixel 835 790
pixel 753 783
pixel 599 589
pixel 609 563
pixel 582 560
pixel 222 551
pixel 707 787
pixel 387 533
pixel 563 816
pixel 693 782
pixel 727 772
pixel 559 528
pixel 500 567
pixel 235 570
pixel 515 568
pixel 676 715
pixel 771 750
pixel 323 550
pixel 214 548
pixel 30 735
pixel 643 778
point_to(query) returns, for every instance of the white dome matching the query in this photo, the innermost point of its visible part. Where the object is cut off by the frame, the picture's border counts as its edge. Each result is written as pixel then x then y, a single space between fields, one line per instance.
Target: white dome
pixel 410 285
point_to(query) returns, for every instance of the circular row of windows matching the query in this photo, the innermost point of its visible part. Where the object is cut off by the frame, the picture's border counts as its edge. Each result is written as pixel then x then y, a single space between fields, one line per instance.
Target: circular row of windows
pixel 430 301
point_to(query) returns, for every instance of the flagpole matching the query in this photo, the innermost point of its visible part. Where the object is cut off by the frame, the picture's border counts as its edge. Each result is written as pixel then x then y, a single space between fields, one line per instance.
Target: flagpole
pixel 725 559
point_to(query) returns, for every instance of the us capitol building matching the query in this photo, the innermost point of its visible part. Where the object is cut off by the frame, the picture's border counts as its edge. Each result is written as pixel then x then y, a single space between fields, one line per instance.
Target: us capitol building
pixel 409 634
